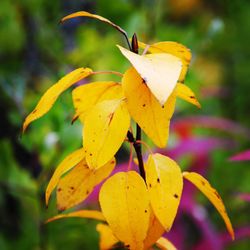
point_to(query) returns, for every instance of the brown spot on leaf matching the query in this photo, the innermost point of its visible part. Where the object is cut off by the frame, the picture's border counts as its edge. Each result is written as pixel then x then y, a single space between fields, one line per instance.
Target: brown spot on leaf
pixel 203 183
pixel 144 105
pixel 72 188
pixel 59 190
pixel 176 196
pixel 87 192
pixel 145 211
pixel 144 80
pixel 217 195
pixel 158 180
pixel 90 154
pixel 150 185
pixel 192 97
pixel 34 111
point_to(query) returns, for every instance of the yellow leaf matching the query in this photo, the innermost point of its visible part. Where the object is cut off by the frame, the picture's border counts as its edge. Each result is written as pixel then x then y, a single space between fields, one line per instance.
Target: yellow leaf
pixel 107 238
pixel 155 231
pixel 80 182
pixel 165 244
pixel 153 118
pixel 159 72
pixel 172 48
pixel 87 14
pixel 87 95
pixel 185 93
pixel 89 214
pixel 125 205
pixel 165 183
pixel 105 129
pixel 69 162
pixel 204 186
pixel 48 99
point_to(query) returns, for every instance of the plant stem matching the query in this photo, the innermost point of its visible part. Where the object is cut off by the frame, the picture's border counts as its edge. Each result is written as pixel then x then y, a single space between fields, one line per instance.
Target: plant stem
pixel 137 146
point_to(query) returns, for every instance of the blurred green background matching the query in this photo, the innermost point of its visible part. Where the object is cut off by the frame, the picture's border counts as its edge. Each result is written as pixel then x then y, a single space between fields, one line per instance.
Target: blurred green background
pixel 35 51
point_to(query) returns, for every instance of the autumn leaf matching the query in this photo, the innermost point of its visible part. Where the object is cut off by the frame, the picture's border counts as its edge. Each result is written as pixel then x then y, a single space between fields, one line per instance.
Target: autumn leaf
pixel 164 181
pixel 155 231
pixel 107 238
pixel 105 129
pixel 165 244
pixel 125 205
pixel 204 186
pixel 159 72
pixel 88 95
pixel 88 214
pixel 172 48
pixel 184 92
pixel 80 182
pixel 152 117
pixel 48 99
pixel 69 162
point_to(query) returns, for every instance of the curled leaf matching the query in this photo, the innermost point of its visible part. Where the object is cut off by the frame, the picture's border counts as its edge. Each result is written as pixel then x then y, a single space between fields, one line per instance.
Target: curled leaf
pixel 105 129
pixel 204 186
pixel 107 238
pixel 69 162
pixel 89 214
pixel 125 205
pixel 172 48
pixel 76 186
pixel 164 181
pixel 48 99
pixel 88 95
pixel 87 14
pixel 159 72
pixel 185 93
pixel 152 117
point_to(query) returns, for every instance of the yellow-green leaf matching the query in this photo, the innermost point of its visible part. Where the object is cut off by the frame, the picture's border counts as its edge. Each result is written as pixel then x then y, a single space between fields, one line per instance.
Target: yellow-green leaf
pixel 87 95
pixel 89 214
pixel 69 162
pixel 87 14
pixel 155 231
pixel 48 99
pixel 159 72
pixel 105 129
pixel 152 117
pixel 76 186
pixel 185 93
pixel 125 205
pixel 165 244
pixel 165 183
pixel 107 238
pixel 204 186
pixel 172 48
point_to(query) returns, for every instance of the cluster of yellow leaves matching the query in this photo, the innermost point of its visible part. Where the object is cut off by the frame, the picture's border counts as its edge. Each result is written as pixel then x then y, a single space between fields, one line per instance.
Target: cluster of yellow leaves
pixel 137 211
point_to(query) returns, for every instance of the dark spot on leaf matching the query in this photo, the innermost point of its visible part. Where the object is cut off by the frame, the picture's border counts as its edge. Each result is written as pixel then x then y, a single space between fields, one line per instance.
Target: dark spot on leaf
pixel 144 80
pixel 145 211
pixel 90 154
pixel 34 111
pixel 59 190
pixel 77 99
pixel 127 187
pixel 163 106
pixel 217 195
pixel 176 196
pixel 72 188
pixel 158 180
pixel 144 105
pixel 192 97
pixel 87 192
pixel 111 117
pixel 203 183
pixel 112 162
pixel 150 185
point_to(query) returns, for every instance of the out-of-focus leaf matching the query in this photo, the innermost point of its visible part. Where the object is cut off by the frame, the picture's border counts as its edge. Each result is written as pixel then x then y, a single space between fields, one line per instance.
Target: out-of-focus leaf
pixel 155 231
pixel 243 156
pixel 153 118
pixel 87 14
pixel 90 214
pixel 159 72
pixel 105 129
pixel 48 99
pixel 69 162
pixel 172 48
pixel 80 182
pixel 204 186
pixel 107 238
pixel 185 93
pixel 125 205
pixel 165 183
pixel 165 244
pixel 87 95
